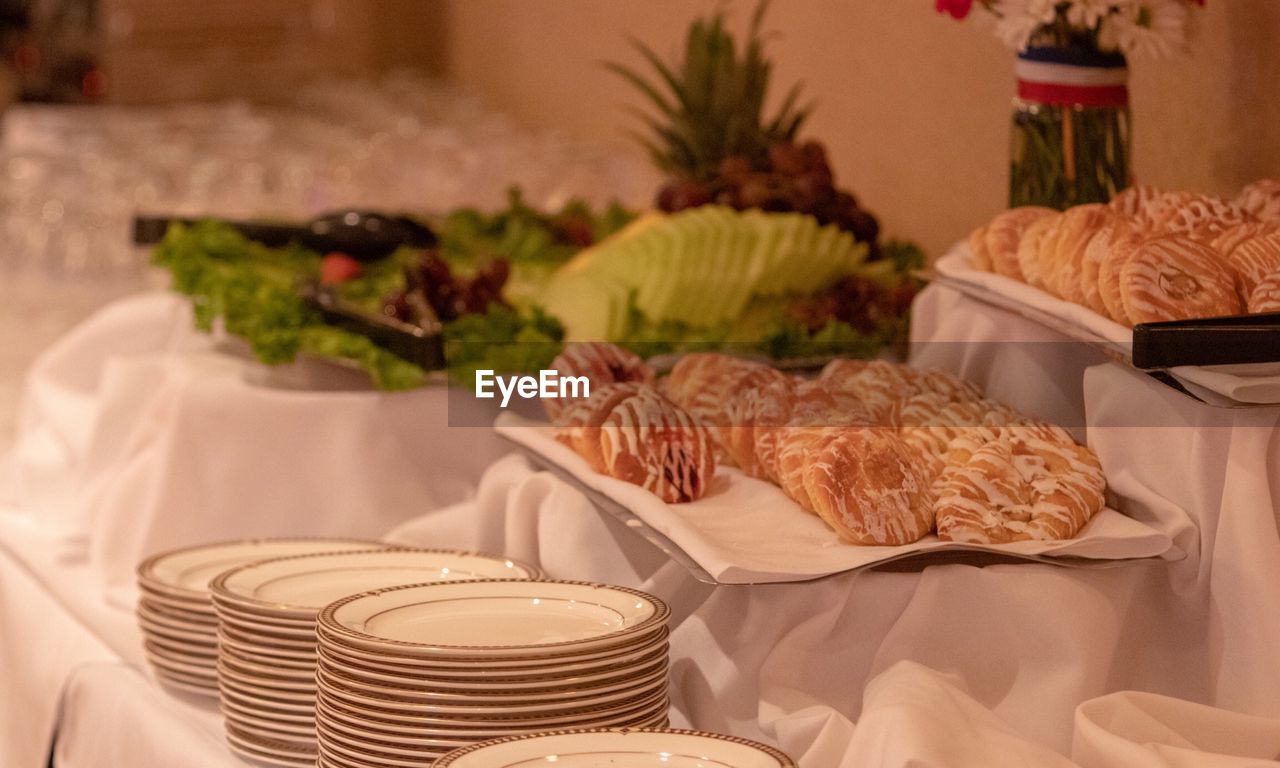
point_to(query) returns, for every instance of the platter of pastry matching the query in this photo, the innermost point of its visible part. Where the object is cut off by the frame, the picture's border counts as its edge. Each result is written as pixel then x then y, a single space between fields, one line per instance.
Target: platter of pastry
pixel 1095 271
pixel 749 475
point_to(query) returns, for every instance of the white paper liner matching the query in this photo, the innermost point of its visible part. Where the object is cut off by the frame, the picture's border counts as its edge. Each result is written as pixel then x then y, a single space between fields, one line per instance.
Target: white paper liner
pixel 747 531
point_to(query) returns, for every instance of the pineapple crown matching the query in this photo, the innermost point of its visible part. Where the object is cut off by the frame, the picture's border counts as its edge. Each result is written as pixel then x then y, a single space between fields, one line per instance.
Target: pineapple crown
pixel 710 105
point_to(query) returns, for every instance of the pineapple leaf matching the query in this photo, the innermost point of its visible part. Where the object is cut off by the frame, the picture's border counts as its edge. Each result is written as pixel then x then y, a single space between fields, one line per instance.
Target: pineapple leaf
pixel 663 71
pixel 643 86
pixel 710 104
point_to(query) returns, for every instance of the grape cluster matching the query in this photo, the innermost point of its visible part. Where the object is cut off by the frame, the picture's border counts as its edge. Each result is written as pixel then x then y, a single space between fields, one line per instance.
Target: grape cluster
pixel 862 302
pixel 790 177
pixel 433 289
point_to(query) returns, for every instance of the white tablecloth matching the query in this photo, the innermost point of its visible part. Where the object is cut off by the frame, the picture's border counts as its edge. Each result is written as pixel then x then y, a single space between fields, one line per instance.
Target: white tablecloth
pixel 1018 665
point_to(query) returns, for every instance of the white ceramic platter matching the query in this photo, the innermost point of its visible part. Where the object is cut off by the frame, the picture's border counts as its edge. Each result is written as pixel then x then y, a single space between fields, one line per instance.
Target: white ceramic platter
pixel 620 749
pixel 494 618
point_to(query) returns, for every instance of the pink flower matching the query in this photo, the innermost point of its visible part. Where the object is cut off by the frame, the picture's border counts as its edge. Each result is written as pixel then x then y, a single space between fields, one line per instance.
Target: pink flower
pixel 957 8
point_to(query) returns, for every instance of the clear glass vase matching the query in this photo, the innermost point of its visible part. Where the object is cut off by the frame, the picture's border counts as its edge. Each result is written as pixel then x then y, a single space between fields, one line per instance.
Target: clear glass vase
pixel 1071 128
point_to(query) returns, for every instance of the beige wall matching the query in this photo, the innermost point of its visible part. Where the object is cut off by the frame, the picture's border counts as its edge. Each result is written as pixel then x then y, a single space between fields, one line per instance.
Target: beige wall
pixel 914 107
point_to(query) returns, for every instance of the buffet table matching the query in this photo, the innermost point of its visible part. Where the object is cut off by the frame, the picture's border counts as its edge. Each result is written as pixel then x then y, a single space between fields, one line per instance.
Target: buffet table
pixel 132 442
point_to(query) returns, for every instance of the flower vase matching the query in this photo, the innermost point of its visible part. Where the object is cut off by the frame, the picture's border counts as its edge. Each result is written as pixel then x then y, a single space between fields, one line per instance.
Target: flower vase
pixel 1071 128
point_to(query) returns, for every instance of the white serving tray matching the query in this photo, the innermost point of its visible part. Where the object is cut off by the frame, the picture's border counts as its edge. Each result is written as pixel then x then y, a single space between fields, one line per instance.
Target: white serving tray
pixel 1225 386
pixel 746 531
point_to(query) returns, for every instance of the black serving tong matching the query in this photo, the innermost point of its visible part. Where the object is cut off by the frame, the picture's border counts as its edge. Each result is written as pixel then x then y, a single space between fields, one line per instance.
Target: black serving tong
pixel 363 235
pixel 422 345
pixel 1230 340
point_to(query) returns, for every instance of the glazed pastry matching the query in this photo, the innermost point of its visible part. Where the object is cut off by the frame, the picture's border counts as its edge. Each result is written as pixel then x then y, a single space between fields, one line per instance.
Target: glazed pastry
pixel 1203 217
pixel 702 383
pixel 929 422
pixel 869 487
pixel 881 385
pixel 1261 199
pixel 1234 235
pixel 1065 253
pixel 979 256
pixel 602 363
pixel 1004 233
pixel 578 425
pixel 648 441
pixel 1135 203
pixel 751 410
pixel 1117 255
pixel 815 407
pixel 1266 294
pixel 1100 246
pixel 1029 249
pixel 1029 482
pixel 1176 278
pixel 1255 259
pixel 630 431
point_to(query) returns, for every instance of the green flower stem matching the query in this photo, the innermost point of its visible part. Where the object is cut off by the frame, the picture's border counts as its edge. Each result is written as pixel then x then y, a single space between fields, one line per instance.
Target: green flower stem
pixel 1038 168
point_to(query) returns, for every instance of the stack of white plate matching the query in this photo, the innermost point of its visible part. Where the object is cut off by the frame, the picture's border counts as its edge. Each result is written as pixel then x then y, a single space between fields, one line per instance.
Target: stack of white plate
pixel 405 675
pixel 179 626
pixel 267 612
pixel 648 748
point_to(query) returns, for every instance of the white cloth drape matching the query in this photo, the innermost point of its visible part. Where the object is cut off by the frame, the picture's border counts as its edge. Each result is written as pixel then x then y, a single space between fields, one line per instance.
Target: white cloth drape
pixel 1156 664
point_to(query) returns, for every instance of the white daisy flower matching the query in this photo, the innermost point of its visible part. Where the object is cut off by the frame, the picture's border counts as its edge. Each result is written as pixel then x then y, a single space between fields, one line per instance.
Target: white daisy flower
pixel 1087 13
pixel 1155 28
pixel 1018 20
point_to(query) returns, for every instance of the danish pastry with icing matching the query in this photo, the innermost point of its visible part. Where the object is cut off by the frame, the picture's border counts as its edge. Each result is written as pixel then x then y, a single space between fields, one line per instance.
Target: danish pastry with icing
pixel 601 363
pixel 1176 278
pixel 1025 482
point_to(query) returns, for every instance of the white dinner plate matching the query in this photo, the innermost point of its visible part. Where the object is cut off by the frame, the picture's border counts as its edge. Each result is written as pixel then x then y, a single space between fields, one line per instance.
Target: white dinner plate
pixel 621 748
pixel 179 618
pixel 179 664
pixel 494 618
pixel 198 606
pixel 186 572
pixel 242 653
pixel 260 714
pixel 270 751
pixel 187 686
pixel 425 693
pixel 650 716
pixel 275 619
pixel 261 682
pixel 301 585
pixel 298 701
pixel 181 649
pixel 296 645
pixel 265 654
pixel 399 747
pixel 365 758
pixel 530 709
pixel 419 677
pixel 547 666
pixel 203 636
pixel 256 626
pixel 265 668
pixel 410 717
pixel 263 728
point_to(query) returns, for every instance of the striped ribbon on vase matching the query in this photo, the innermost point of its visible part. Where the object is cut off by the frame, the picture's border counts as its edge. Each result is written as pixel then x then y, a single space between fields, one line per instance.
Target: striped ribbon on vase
pixel 1072 77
